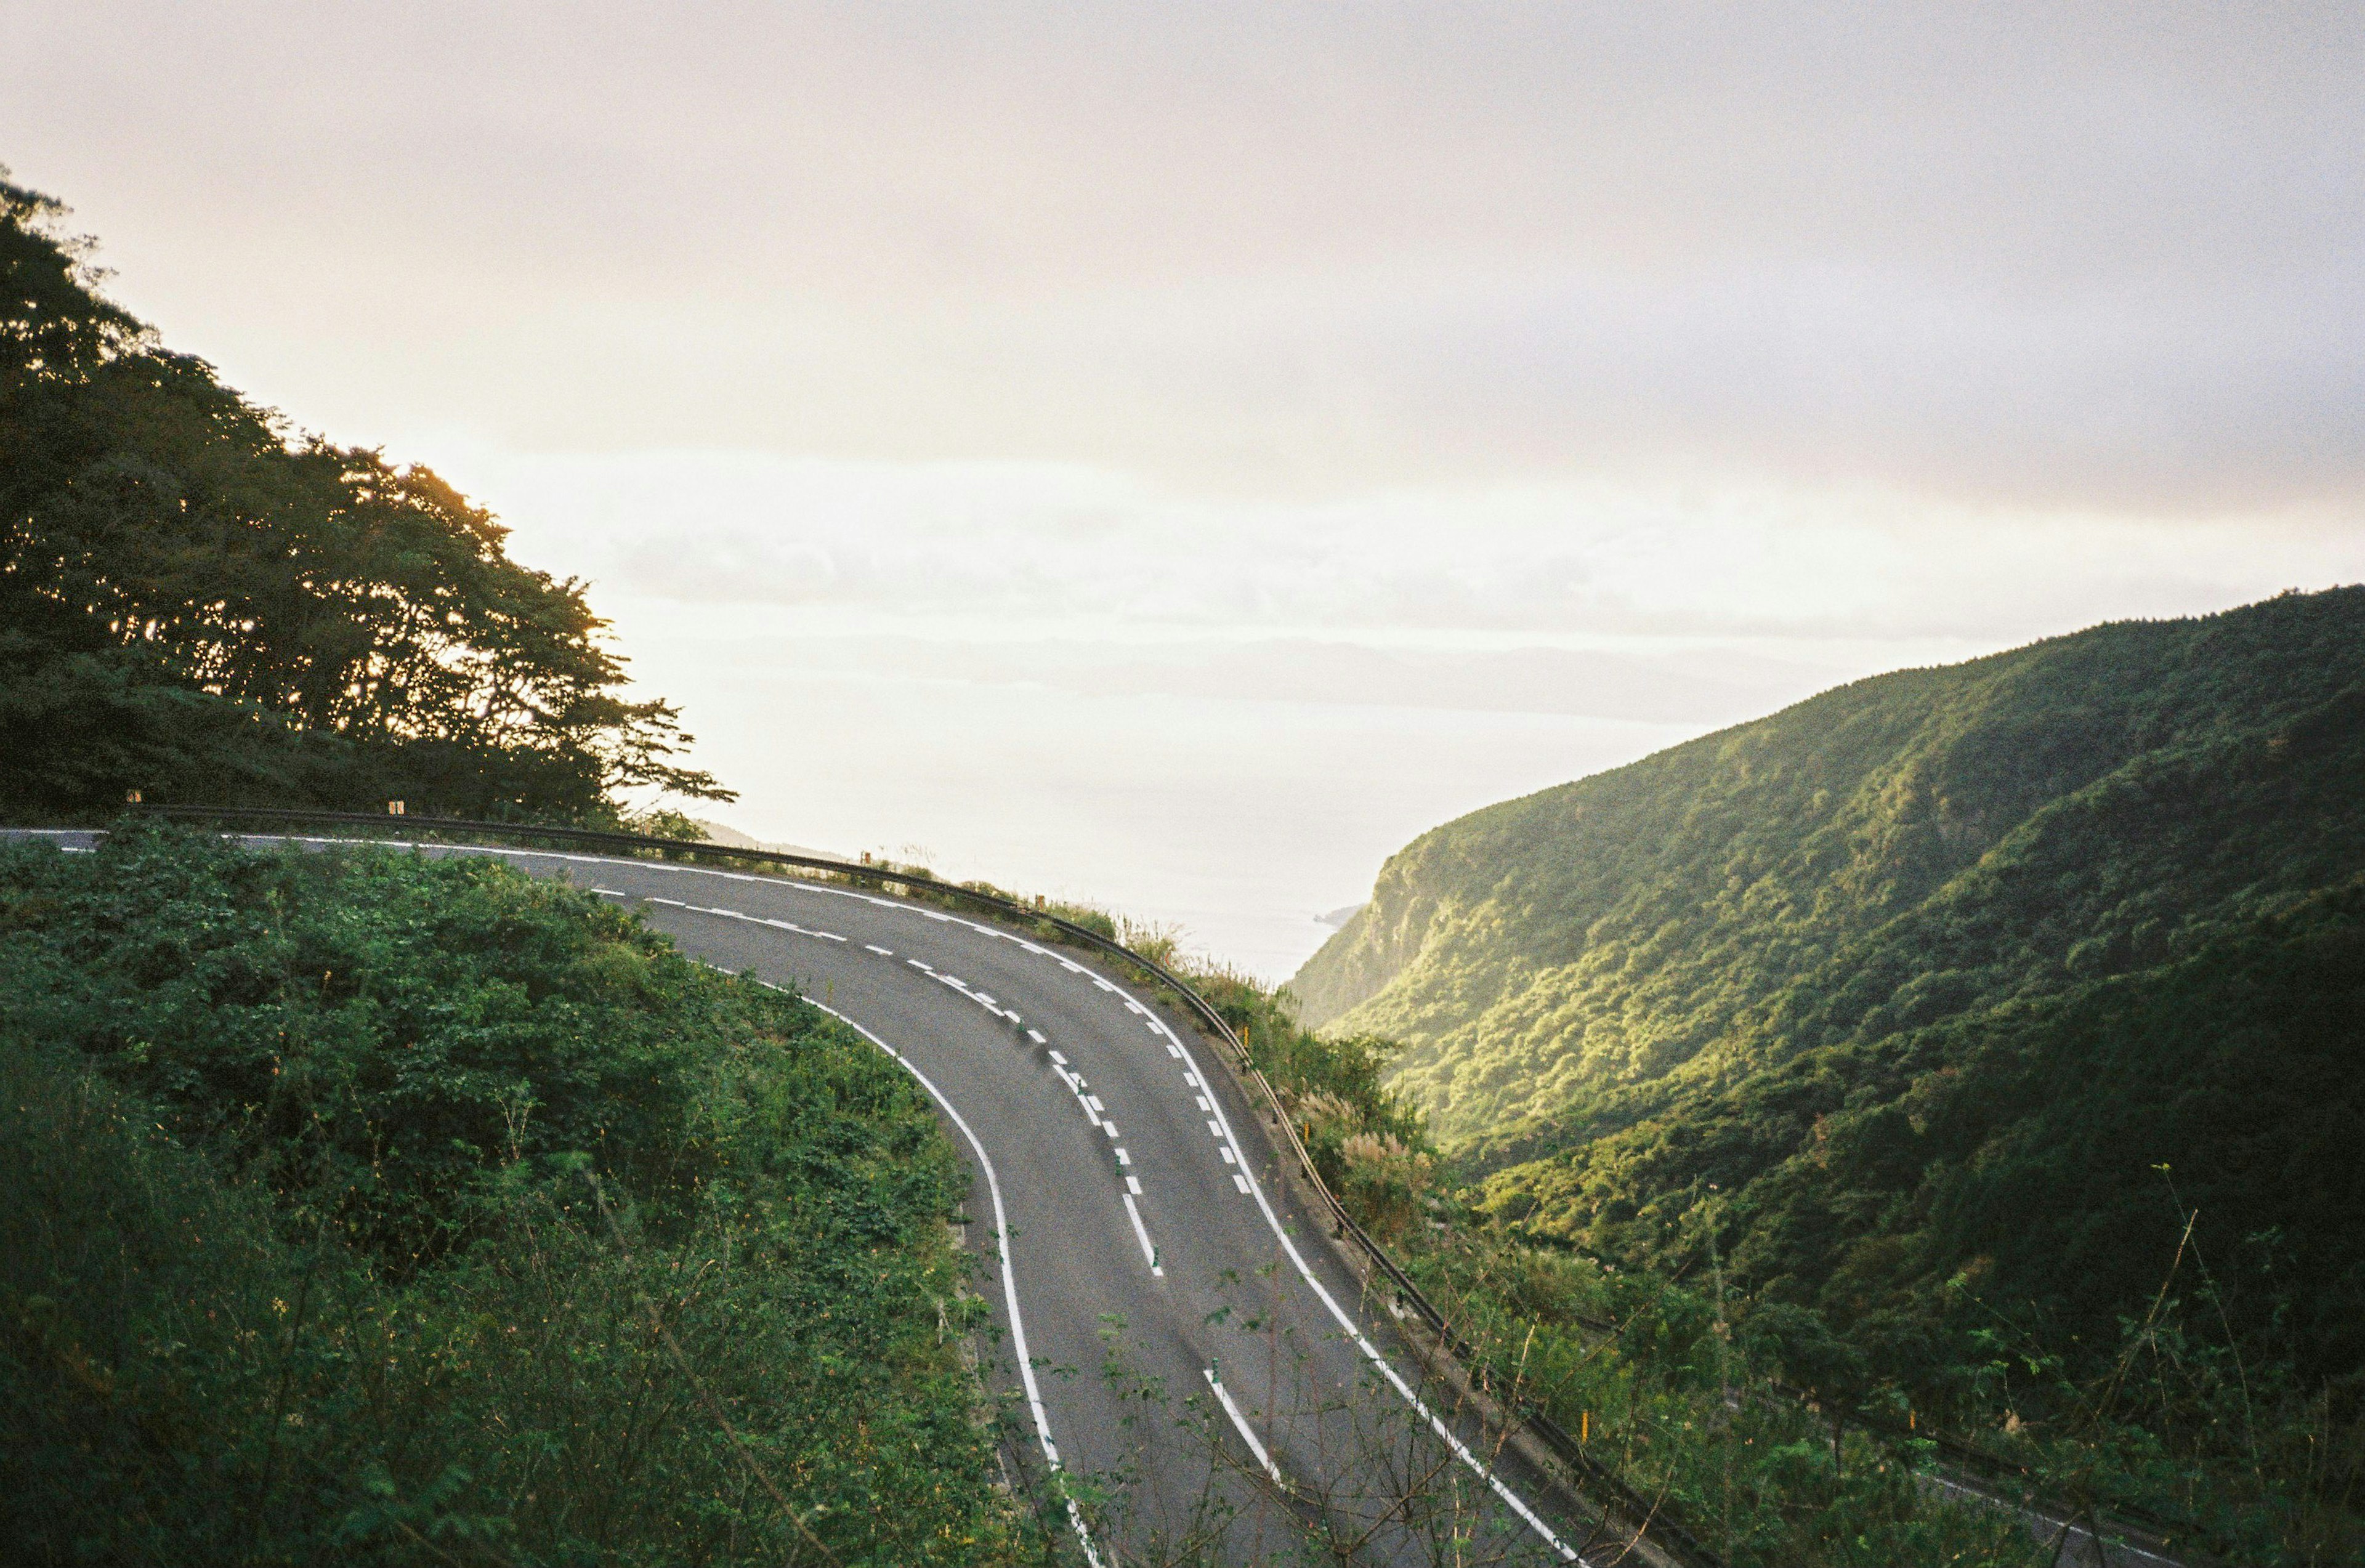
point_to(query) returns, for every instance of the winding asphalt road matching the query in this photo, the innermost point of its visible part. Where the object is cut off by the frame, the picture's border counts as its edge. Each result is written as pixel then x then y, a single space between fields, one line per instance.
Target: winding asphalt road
pixel 1181 1345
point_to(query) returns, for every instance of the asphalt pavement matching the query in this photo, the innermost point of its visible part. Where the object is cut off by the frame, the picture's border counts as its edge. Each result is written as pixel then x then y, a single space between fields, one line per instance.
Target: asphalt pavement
pixel 1204 1374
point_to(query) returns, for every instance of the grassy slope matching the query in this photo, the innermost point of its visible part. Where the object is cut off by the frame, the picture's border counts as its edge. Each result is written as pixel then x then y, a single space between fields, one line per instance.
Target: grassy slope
pixel 371 1209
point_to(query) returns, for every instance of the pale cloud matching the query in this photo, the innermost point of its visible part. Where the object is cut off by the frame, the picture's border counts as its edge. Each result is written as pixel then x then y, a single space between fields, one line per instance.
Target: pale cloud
pixel 2089 256
pixel 1016 550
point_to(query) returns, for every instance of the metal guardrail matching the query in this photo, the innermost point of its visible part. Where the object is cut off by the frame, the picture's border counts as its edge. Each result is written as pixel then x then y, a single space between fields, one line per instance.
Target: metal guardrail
pixel 1643 1513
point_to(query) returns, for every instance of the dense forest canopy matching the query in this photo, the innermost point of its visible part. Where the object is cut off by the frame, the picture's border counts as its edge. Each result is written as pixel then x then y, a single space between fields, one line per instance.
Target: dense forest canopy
pixel 1944 994
pixel 198 604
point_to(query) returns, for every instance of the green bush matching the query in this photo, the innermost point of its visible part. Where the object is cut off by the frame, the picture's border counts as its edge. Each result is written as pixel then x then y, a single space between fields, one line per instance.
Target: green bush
pixel 367 1208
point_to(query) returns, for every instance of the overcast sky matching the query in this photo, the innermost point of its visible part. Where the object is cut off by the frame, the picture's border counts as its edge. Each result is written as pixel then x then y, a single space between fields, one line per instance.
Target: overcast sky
pixel 2100 256
pixel 1839 336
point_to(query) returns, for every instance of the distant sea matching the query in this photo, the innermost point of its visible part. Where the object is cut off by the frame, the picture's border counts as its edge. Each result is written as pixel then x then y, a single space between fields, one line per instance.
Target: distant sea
pixel 1235 821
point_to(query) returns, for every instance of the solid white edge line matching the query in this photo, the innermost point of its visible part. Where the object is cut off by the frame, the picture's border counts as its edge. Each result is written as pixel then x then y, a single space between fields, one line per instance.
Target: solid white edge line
pixel 1009 1276
pixel 1247 1184
pixel 1241 1422
pixel 1141 1234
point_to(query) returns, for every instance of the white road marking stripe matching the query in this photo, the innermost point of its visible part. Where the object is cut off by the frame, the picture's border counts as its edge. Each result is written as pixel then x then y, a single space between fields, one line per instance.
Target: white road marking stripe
pixel 882 952
pixel 1123 1158
pixel 1036 1035
pixel 1094 1102
pixel 1241 1422
pixel 1141 1234
pixel 1132 1007
pixel 1154 1028
pixel 610 893
pixel 1240 1180
pixel 1203 1102
pixel 1059 1058
pixel 1226 1153
pixel 1193 1079
pixel 1009 1276
pixel 1216 1128
pixel 1133 1185
pixel 1173 1050
pixel 1112 1129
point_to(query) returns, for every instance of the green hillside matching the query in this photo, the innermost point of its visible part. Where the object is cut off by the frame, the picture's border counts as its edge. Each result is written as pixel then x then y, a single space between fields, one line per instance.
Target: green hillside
pixel 1921 979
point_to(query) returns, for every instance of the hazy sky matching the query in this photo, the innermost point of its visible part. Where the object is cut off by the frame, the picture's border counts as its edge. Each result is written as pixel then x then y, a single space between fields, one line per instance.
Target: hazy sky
pixel 1805 340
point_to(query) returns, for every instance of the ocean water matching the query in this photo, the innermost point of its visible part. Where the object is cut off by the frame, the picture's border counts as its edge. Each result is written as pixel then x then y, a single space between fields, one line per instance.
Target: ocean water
pixel 1235 821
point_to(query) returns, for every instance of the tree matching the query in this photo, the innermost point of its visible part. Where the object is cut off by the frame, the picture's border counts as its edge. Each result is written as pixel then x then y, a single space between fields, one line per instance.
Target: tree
pixel 198 602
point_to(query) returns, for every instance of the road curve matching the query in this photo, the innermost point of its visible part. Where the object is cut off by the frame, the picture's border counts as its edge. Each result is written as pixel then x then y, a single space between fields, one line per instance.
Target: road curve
pixel 1204 1374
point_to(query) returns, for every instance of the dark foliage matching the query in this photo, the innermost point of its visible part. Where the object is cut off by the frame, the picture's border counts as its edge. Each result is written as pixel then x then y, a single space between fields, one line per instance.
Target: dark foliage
pixel 197 606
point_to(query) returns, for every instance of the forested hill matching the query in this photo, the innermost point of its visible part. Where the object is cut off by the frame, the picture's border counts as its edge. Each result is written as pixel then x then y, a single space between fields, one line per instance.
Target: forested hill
pixel 200 605
pixel 1930 972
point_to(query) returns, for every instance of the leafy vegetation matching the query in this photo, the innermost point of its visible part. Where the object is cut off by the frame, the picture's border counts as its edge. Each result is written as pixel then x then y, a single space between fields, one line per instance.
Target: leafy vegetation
pixel 1989 1034
pixel 373 1209
pixel 198 604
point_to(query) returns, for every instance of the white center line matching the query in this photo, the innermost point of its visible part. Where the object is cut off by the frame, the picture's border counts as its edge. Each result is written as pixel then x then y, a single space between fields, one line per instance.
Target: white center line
pixel 1141 1234
pixel 882 952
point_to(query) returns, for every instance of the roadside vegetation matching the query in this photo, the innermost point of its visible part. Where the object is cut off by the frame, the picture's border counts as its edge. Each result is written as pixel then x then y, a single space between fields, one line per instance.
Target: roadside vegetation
pixel 364 1208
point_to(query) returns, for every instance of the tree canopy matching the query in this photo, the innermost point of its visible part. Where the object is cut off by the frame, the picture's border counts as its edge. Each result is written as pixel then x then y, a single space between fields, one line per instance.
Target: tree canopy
pixel 198 602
